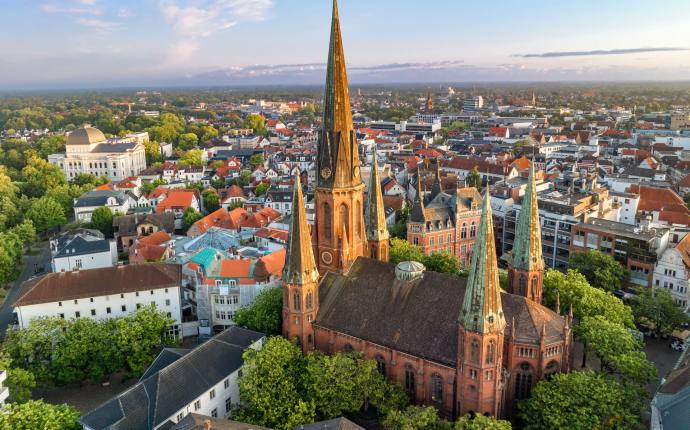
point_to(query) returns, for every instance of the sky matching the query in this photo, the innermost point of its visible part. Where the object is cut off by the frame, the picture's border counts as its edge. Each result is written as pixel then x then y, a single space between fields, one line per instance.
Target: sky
pixel 114 43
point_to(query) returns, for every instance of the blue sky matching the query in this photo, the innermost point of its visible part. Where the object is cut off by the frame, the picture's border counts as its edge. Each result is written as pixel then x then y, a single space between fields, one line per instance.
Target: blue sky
pixel 87 43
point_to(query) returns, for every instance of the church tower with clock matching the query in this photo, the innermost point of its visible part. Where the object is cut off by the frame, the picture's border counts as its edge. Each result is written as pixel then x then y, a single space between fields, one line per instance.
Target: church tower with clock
pixel 339 196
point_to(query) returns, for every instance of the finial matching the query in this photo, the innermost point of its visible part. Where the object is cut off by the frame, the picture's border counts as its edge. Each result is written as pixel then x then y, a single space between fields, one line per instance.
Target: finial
pixel 558 303
pixel 512 328
pixel 543 329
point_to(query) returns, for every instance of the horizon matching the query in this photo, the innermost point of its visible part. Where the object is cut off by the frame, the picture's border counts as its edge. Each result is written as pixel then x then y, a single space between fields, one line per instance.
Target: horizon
pixel 99 44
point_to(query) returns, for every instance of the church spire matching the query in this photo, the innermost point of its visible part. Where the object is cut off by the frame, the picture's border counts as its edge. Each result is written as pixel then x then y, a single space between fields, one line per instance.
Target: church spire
pixel 527 253
pixel 436 188
pixel 482 311
pixel 338 159
pixel 374 215
pixel 300 267
pixel 417 212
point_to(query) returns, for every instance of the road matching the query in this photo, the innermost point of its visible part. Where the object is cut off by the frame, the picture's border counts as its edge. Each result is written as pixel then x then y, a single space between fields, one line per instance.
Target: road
pixel 30 263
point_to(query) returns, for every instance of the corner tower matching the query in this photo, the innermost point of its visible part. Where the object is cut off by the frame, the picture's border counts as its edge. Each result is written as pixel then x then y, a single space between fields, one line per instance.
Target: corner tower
pixel 339 192
pixel 300 277
pixel 375 217
pixel 481 327
pixel 526 267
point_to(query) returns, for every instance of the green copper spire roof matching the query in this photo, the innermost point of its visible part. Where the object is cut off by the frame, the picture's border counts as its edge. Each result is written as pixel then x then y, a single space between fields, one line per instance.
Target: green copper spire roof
pixel 338 159
pixel 482 311
pixel 527 253
pixel 300 267
pixel 374 214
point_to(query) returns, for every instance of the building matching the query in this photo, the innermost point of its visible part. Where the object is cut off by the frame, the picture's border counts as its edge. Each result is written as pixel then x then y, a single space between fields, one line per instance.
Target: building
pixel 671 403
pixel 116 201
pixel 637 248
pixel 102 293
pixel 472 103
pixel 176 202
pixel 4 391
pixel 128 228
pixel 180 382
pixel 445 221
pixel 204 422
pixel 461 345
pixel 87 151
pixel 80 250
pixel 672 272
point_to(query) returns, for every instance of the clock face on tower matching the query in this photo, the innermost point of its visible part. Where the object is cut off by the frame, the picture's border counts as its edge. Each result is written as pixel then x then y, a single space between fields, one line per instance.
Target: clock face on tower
pixel 327 257
pixel 325 173
pixel 356 170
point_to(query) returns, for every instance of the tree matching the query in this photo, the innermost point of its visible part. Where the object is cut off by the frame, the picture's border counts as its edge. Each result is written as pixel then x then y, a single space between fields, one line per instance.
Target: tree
pixel 39 175
pixel 261 189
pixel 193 157
pixel 401 250
pixel 102 220
pixel 256 160
pixel 140 333
pixel 256 123
pixel 190 216
pixel 415 418
pixel 271 388
pixel 187 141
pixel 519 146
pixel 481 422
pixel 601 270
pixel 36 414
pixel 573 289
pixel 655 308
pixel 474 179
pixel 20 382
pixel 581 401
pixel 442 262
pixel 46 213
pixel 265 314
pixel 211 200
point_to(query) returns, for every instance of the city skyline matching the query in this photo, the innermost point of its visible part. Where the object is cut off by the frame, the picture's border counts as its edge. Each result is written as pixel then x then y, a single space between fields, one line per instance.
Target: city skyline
pixel 102 43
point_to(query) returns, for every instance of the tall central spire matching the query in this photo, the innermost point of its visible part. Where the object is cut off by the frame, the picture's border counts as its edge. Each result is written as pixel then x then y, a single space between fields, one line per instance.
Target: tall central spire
pixel 375 217
pixel 338 160
pixel 527 252
pixel 482 311
pixel 300 267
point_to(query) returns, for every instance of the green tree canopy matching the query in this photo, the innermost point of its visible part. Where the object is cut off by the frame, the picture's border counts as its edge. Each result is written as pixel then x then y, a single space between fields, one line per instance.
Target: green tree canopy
pixel 46 213
pixel 102 220
pixel 190 216
pixel 442 262
pixel 36 414
pixel 426 418
pixel 256 123
pixel 187 141
pixel 256 160
pixel 193 157
pixel 581 401
pixel 40 175
pixel 211 200
pixel 265 314
pixel 601 270
pixel 261 189
pixel 654 307
pixel 474 179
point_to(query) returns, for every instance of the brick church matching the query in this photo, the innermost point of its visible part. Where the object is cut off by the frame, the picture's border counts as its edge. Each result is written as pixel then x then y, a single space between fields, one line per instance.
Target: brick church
pixel 462 345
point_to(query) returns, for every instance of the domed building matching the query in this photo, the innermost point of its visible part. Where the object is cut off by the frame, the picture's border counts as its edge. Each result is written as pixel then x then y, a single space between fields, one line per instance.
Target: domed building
pixel 87 150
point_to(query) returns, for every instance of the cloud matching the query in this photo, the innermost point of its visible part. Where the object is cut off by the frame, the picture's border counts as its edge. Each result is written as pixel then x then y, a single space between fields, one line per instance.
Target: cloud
pixel 599 52
pixel 98 24
pixel 192 22
pixel 55 9
pixel 124 12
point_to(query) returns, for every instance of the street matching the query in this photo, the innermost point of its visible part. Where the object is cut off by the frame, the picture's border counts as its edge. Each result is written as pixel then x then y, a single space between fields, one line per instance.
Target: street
pixel 29 262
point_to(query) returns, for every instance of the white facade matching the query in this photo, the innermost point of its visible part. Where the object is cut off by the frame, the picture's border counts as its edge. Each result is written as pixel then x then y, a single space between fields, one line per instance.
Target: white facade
pixel 83 213
pixel 103 307
pixel 109 160
pixel 627 206
pixel 94 260
pixel 672 274
pixel 4 391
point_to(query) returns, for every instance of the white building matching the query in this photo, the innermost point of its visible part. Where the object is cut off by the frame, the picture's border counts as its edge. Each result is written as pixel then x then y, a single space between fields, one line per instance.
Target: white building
pixel 627 206
pixel 102 293
pixel 84 206
pixel 202 381
pixel 472 103
pixel 4 391
pixel 88 151
pixel 82 249
pixel 672 272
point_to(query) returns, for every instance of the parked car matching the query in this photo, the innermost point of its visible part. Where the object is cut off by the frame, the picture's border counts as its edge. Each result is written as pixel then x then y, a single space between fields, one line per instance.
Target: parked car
pixel 678 345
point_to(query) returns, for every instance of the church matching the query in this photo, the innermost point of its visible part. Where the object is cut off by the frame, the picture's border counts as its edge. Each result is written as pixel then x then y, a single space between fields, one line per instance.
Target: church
pixel 462 345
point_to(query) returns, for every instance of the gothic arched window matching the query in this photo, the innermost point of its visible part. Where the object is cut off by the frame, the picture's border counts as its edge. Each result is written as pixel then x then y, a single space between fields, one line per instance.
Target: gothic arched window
pixel 463 231
pixel 523 286
pixel 296 302
pixel 436 388
pixel 310 300
pixel 491 352
pixel 327 220
pixel 381 365
pixel 473 229
pixel 358 219
pixel 347 348
pixel 344 220
pixel 523 381
pixel 551 369
pixel 535 281
pixel 474 351
pixel 409 380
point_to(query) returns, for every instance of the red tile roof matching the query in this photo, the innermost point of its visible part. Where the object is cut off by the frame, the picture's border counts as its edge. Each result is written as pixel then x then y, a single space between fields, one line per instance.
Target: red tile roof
pixel 176 199
pixel 235 268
